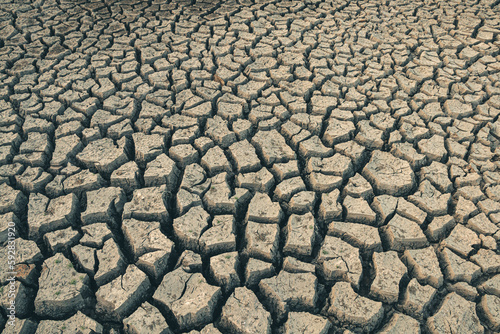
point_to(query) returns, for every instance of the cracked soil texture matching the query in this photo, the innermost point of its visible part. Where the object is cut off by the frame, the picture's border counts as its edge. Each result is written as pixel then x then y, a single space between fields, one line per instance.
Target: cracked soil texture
pixel 250 166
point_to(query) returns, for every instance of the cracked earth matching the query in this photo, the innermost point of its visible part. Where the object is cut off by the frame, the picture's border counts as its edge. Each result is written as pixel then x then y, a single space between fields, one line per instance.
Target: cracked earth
pixel 251 166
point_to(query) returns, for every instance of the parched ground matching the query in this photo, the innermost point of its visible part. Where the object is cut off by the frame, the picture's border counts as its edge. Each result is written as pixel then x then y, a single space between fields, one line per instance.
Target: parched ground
pixel 251 167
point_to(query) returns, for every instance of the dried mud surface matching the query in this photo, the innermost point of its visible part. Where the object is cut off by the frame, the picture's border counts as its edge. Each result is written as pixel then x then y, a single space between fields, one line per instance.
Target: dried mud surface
pixel 251 166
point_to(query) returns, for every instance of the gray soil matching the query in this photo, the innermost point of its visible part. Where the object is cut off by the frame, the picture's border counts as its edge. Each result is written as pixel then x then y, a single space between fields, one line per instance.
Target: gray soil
pixel 250 166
